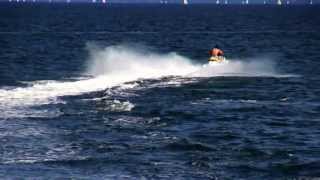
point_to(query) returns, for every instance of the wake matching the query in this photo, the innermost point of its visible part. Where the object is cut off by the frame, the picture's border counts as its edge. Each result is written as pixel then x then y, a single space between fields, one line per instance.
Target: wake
pixel 115 65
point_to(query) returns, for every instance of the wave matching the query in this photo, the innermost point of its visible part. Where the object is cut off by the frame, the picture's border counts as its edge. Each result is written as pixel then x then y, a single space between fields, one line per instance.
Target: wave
pixel 115 65
pixel 251 68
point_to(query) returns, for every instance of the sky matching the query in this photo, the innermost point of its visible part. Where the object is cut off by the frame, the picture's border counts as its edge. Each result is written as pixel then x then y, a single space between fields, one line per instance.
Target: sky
pixel 211 1
pixel 214 1
pixel 190 1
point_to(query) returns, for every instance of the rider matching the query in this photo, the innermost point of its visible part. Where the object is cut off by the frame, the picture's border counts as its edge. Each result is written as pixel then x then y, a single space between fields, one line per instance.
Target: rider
pixel 216 52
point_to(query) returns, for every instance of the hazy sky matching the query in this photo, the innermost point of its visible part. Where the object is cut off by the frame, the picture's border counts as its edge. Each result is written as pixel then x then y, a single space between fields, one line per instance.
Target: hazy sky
pixel 213 1
pixel 190 1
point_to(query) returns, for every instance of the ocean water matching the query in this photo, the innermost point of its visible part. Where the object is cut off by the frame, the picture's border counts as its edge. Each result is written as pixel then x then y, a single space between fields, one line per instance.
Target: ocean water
pixel 121 92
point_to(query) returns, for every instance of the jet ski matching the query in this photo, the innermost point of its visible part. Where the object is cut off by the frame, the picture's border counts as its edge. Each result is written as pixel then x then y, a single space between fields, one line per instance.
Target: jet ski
pixel 216 61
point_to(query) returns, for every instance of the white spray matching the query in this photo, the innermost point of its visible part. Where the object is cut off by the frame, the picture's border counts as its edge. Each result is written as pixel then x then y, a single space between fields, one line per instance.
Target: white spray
pixel 115 65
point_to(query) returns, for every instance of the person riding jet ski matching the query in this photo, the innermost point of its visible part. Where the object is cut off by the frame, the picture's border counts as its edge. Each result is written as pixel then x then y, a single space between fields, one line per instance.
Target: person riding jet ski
pixel 216 54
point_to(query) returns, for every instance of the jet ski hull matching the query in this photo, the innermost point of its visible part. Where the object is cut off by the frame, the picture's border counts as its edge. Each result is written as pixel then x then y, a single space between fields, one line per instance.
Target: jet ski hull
pixel 217 59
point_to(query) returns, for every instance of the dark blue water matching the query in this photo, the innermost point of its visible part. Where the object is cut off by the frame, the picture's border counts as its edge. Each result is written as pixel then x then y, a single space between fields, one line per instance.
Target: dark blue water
pixel 119 92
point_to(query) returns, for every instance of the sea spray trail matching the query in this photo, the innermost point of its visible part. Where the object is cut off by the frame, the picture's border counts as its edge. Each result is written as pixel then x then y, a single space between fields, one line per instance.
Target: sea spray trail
pixel 254 67
pixel 132 63
pixel 128 64
pixel 114 65
pixel 109 67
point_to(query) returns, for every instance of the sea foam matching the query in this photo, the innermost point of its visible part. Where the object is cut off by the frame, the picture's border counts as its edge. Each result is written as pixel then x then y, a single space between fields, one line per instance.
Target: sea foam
pixel 115 65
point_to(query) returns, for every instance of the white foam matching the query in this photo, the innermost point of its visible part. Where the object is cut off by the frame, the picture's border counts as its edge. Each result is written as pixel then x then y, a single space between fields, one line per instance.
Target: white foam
pixel 114 65
pixel 109 66
pixel 126 63
pixel 118 106
pixel 255 67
